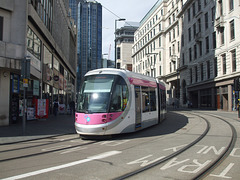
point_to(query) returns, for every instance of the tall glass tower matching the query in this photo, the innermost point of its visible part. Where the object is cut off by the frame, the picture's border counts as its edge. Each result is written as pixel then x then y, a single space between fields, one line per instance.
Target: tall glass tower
pixel 89 38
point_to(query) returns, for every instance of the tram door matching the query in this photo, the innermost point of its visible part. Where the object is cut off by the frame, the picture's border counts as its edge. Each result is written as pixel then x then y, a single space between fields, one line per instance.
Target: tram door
pixel 138 108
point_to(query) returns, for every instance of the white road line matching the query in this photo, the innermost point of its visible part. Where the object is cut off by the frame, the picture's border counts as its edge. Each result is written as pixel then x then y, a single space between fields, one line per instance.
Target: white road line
pixel 99 156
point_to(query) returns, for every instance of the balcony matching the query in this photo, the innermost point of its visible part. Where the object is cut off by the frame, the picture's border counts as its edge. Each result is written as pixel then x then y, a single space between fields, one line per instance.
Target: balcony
pixel 219 22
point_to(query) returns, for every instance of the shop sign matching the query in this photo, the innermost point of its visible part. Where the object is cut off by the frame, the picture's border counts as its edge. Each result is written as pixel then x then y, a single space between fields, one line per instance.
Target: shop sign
pixel 61 81
pixel 35 88
pixel 56 78
pixel 36 63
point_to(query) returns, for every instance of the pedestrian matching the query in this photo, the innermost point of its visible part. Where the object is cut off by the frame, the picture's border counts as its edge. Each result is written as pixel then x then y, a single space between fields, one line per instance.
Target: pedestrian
pixel 72 107
pixel 55 107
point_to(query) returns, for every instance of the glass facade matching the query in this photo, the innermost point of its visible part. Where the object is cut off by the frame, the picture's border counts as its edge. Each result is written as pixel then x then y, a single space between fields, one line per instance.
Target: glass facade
pixel 89 38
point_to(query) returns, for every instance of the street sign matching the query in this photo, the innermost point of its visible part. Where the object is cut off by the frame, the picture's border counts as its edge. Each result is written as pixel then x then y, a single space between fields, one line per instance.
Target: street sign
pixel 25 82
pixel 25 69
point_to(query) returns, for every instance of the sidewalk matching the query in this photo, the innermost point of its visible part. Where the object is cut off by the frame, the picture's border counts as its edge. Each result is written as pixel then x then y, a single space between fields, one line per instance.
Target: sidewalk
pixel 36 129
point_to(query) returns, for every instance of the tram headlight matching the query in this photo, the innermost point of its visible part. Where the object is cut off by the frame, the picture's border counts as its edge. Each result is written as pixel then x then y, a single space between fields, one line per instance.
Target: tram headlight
pixel 95 96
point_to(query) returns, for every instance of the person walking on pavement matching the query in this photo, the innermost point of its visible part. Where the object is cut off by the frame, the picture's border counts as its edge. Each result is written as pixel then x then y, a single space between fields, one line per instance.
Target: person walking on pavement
pixel 55 107
pixel 72 107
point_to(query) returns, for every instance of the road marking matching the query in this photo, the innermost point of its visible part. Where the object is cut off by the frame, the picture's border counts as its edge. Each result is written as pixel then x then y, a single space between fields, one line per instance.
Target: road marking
pixel 88 159
pixel 234 154
pixel 146 162
pixel 225 171
pixel 175 149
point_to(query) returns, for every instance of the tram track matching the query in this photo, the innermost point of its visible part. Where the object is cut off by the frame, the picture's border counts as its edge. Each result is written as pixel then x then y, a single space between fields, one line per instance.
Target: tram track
pixel 208 169
pixel 44 152
pixel 221 158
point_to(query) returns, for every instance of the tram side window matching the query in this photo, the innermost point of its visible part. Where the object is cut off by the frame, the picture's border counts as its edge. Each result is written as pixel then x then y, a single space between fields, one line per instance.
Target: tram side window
pixel 148 99
pixel 120 96
pixel 145 99
pixel 152 99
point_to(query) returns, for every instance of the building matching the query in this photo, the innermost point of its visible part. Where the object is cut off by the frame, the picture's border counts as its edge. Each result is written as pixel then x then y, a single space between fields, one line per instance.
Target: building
pixel 124 41
pixel 156 49
pixel 210 53
pixel 43 32
pixel 89 38
pixel 193 47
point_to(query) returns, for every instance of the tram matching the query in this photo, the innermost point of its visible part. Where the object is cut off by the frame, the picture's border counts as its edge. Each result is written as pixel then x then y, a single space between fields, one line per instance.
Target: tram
pixel 115 101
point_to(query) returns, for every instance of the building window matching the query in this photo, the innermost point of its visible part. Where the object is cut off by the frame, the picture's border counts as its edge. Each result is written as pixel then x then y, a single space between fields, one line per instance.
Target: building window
pixel 200 48
pixel 45 11
pixel 183 59
pixel 224 64
pixel 215 67
pixel 189 15
pixel 189 34
pixel 208 69
pixel 182 41
pixel 160 41
pixel 231 5
pixel 222 36
pixel 220 5
pixel 214 40
pixel 199 5
pixel 118 53
pixel 196 74
pixel 234 62
pixel 207 44
pixel 195 51
pixel 190 54
pixel 33 44
pixel 1 28
pixel 202 72
pixel 206 21
pixel 199 25
pixel 194 29
pixel 193 9
pixel 213 13
pixel 232 32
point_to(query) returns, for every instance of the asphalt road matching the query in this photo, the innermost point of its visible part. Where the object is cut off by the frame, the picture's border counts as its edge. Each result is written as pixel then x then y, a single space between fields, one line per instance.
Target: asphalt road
pixel 69 157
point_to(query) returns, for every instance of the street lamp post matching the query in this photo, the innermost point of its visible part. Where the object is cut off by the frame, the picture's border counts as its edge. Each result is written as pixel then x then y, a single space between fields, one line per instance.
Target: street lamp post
pixel 121 19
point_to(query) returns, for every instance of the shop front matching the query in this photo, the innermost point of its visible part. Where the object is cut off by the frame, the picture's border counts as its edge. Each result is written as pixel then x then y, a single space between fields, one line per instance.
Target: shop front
pixel 17 98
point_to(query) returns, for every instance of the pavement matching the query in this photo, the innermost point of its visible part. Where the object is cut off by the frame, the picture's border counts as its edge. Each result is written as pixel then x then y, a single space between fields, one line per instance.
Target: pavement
pixel 37 129
pixel 61 125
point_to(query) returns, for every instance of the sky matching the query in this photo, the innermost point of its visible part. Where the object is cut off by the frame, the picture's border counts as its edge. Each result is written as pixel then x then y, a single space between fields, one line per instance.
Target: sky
pixel 131 10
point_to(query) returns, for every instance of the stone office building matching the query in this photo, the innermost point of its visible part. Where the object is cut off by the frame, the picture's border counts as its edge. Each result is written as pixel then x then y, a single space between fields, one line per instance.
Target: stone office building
pixel 44 32
pixel 193 46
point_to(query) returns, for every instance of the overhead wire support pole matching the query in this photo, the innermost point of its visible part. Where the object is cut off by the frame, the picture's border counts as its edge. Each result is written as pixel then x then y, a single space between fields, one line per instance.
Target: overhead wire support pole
pixel 25 76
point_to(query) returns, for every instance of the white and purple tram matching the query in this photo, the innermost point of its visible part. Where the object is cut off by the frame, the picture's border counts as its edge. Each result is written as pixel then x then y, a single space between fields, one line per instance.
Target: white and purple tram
pixel 114 101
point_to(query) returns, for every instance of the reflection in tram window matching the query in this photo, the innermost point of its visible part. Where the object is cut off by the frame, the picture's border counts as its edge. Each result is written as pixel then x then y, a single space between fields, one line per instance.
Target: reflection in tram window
pixel 148 99
pixel 145 99
pixel 120 96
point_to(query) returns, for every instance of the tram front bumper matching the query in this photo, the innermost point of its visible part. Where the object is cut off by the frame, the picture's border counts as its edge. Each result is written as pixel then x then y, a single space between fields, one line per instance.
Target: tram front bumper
pixel 90 129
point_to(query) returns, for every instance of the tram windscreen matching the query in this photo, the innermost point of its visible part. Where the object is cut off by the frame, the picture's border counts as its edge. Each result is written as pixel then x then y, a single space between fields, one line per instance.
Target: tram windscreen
pixel 96 97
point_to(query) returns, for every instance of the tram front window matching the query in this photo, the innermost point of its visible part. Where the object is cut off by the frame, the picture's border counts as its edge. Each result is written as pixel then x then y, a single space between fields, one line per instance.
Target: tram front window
pixel 95 94
pixel 103 94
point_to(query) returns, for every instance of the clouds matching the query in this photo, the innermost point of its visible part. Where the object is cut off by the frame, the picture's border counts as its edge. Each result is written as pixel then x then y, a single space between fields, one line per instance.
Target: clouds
pixel 131 10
